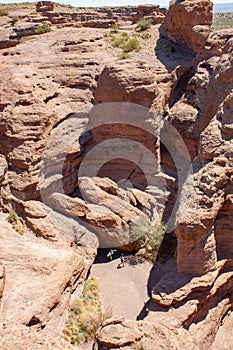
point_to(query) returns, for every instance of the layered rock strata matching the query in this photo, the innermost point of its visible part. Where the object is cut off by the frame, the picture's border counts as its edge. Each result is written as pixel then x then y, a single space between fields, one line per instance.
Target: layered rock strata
pixel 69 96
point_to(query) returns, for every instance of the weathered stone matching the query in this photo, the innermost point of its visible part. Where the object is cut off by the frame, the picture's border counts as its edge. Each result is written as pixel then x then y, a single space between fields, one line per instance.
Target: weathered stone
pixel 188 23
pixel 40 106
pixel 224 334
pixel 44 6
pixel 5 40
pixel 40 277
pixel 147 8
pixel 99 23
pixel 19 337
pixel 3 167
pixel 149 12
pixel 69 206
pixel 35 209
pixel 152 336
pixel 23 30
pixel 118 335
pixel 132 82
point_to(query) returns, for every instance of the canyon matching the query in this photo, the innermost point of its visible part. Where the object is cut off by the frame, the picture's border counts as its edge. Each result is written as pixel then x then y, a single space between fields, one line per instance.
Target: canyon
pixel 91 143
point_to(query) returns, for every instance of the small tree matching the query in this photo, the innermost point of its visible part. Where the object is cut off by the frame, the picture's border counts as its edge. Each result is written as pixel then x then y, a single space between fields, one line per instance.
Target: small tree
pixel 148 237
pixel 132 44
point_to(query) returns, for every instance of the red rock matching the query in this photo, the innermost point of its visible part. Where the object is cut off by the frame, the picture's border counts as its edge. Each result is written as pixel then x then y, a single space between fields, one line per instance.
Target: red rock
pixel 149 12
pixel 114 82
pixel 188 23
pixel 65 75
pixel 44 6
pixel 38 271
pixel 5 40
pixel 19 337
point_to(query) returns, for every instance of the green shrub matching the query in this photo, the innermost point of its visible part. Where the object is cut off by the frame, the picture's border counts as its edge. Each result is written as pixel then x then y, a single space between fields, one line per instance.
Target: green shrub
pixel 13 217
pixel 16 223
pixel 78 25
pixel 86 315
pixel 124 42
pixel 132 44
pixel 120 40
pixel 43 28
pixel 142 25
pixel 124 56
pixel 148 238
pixel 3 12
pixel 117 41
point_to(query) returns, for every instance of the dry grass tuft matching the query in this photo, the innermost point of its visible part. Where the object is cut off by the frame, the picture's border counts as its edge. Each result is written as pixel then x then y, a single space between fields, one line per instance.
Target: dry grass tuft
pixel 86 315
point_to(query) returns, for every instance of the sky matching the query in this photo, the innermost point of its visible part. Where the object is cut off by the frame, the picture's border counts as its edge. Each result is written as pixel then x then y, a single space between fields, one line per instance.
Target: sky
pixel 87 3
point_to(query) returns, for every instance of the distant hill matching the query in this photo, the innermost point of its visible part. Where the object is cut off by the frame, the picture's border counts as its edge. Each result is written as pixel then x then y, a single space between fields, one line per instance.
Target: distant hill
pixel 223 8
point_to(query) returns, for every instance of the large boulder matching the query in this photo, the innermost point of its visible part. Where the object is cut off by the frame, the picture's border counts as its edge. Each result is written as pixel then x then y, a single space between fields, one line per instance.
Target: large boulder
pixel 188 23
pixel 45 6
pixel 133 82
pixel 6 40
pixel 127 333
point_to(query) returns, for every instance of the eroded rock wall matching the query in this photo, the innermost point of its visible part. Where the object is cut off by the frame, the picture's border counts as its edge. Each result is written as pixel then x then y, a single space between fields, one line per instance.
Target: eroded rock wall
pixel 196 298
pixel 188 23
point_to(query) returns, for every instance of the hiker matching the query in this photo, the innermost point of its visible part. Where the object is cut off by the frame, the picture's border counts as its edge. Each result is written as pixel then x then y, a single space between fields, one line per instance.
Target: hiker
pixel 122 262
pixel 110 254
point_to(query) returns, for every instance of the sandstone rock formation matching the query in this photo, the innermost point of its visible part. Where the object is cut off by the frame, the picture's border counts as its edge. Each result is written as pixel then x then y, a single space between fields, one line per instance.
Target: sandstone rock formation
pixel 95 18
pixel 128 334
pixel 150 13
pixel 44 6
pixel 18 337
pixel 21 24
pixel 196 297
pixel 68 96
pixel 5 40
pixel 37 280
pixel 188 23
pixel 38 91
pixel 133 82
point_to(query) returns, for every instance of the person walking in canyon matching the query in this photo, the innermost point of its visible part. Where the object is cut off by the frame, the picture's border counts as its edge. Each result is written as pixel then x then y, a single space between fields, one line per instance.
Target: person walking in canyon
pixel 110 254
pixel 122 261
